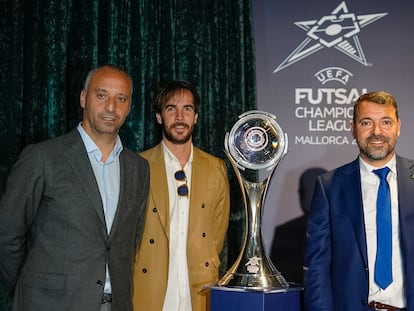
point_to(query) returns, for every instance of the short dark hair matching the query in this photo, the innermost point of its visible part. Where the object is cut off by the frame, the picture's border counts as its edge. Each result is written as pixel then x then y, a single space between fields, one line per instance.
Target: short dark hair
pixel 378 97
pixel 170 89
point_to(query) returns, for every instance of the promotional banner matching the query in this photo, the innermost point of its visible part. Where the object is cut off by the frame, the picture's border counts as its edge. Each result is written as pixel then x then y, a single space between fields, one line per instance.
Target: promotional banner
pixel 313 60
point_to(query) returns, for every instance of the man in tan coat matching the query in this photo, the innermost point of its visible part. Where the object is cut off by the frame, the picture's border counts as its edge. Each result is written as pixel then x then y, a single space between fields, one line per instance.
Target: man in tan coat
pixel 188 212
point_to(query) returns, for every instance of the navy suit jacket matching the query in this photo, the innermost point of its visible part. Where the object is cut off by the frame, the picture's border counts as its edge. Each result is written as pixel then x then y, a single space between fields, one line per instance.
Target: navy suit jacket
pixel 336 264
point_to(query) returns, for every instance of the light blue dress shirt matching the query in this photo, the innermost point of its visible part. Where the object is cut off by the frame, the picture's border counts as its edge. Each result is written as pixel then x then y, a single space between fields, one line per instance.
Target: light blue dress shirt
pixel 107 176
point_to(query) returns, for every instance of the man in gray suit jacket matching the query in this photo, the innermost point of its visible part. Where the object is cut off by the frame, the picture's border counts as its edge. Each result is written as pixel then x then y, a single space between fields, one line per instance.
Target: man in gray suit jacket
pixel 74 207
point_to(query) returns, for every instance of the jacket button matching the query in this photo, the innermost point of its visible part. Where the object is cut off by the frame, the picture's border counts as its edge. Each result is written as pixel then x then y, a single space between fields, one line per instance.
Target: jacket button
pixel 203 205
pixel 206 264
pixel 204 234
pixel 144 270
pixel 154 210
pixel 151 241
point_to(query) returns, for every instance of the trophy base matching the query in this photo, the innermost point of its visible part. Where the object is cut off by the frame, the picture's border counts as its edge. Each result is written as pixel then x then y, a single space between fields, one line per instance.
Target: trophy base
pixel 259 282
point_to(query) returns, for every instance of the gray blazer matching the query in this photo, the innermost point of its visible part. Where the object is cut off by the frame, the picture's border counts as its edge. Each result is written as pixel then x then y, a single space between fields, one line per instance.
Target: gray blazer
pixel 54 244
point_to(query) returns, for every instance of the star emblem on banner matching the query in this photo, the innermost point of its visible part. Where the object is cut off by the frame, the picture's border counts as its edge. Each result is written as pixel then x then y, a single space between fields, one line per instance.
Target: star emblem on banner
pixel 340 30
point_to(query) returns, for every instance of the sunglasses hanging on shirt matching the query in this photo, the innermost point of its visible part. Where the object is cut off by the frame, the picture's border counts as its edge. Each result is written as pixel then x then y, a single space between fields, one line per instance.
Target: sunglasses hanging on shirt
pixel 183 189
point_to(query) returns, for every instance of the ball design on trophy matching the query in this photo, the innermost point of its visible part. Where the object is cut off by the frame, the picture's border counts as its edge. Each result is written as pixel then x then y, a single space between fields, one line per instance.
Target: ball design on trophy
pixel 256 141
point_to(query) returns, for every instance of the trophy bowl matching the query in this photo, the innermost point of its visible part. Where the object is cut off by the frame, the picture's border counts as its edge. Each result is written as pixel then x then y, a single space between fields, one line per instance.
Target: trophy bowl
pixel 255 146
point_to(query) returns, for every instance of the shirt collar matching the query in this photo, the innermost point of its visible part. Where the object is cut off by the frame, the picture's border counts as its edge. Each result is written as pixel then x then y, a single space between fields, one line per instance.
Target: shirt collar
pixel 171 158
pixel 92 147
pixel 367 168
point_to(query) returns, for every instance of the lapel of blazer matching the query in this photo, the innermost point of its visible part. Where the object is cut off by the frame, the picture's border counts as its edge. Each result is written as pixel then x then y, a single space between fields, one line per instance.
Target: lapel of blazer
pixel 405 180
pixel 124 176
pixel 351 185
pixel 199 179
pixel 158 180
pixel 79 161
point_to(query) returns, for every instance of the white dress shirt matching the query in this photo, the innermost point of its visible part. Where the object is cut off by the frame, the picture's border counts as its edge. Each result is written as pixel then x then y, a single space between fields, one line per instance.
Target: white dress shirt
pixel 178 296
pixel 394 293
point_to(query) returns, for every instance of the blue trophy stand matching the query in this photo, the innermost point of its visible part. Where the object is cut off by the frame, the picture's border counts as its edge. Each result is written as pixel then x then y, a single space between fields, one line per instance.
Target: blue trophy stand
pixel 237 299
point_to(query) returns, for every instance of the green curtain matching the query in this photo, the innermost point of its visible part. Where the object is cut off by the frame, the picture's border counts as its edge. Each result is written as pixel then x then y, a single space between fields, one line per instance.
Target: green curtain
pixel 46 48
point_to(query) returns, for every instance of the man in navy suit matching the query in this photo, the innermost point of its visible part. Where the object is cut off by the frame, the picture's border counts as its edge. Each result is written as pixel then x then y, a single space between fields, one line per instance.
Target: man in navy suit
pixel 341 239
pixel 74 207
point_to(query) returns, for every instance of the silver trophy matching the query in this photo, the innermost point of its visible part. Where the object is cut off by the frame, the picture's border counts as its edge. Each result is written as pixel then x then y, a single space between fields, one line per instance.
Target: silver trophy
pixel 255 146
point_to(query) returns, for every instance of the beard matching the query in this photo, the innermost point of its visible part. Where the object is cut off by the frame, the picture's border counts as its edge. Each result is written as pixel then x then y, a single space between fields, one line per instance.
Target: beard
pixel 377 152
pixel 175 139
